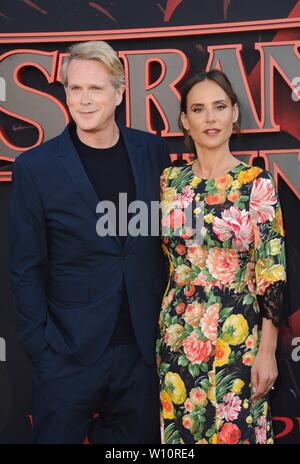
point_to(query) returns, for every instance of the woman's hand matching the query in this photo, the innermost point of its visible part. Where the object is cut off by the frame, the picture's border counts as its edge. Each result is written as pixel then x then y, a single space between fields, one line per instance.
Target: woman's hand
pixel 263 373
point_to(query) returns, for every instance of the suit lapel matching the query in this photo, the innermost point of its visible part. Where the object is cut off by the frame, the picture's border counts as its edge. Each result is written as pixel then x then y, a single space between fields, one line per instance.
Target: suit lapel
pixel 136 160
pixel 73 167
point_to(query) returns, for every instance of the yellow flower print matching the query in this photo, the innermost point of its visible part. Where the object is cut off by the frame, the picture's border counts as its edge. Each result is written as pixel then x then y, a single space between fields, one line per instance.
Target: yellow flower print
pixel 211 394
pixel 174 172
pixel 169 195
pixel 275 246
pixel 277 222
pixel 237 386
pixel 209 218
pixel 235 185
pixel 214 439
pixel 235 329
pixel 223 351
pixel 248 175
pixel 195 182
pixel 249 420
pixel 175 387
pixel 166 252
pixel 275 273
pixel 167 406
pixel 212 377
pixel 246 404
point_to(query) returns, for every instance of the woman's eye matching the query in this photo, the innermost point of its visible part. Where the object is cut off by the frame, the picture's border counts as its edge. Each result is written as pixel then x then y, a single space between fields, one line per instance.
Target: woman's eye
pixel 197 110
pixel 221 107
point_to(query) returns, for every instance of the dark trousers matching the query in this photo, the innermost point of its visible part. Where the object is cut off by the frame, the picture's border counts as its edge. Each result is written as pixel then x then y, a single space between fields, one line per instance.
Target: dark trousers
pixel 120 386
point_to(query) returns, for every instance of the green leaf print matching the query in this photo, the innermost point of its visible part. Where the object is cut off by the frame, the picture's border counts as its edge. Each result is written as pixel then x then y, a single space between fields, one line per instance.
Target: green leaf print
pixel 194 370
pixel 244 198
pixel 197 426
pixel 248 299
pixel 196 269
pixel 204 367
pixel 183 178
pixel 200 334
pixel 224 384
pixel 240 204
pixel 210 185
pixel 224 313
pixel 200 411
pixel 188 329
pixel 193 275
pixel 171 435
pixel 211 431
pixel 183 361
pixel 227 243
pixel 164 368
pixel 205 385
pixel 257 409
pixel 168 320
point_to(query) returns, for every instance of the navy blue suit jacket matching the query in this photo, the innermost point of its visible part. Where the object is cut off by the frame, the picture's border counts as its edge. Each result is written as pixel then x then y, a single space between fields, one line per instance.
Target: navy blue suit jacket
pixel 67 281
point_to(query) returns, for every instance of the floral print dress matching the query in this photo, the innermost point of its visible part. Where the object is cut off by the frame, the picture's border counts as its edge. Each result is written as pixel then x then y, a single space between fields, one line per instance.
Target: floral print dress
pixel 221 285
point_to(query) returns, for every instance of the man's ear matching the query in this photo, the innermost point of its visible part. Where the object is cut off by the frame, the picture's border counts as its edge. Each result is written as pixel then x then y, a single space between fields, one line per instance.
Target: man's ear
pixel 120 91
pixel 66 91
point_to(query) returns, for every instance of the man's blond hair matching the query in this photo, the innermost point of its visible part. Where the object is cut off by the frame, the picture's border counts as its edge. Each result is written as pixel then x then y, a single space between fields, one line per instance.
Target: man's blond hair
pixel 97 50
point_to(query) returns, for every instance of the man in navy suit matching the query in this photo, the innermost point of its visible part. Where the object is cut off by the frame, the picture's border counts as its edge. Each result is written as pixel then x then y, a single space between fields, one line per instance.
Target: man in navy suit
pixel 88 302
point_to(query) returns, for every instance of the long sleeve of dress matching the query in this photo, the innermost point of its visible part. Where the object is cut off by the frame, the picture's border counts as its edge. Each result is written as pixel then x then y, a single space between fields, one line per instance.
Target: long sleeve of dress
pixel 270 263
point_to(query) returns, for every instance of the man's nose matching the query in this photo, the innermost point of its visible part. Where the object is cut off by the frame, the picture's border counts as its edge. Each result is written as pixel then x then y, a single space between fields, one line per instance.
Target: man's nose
pixel 85 97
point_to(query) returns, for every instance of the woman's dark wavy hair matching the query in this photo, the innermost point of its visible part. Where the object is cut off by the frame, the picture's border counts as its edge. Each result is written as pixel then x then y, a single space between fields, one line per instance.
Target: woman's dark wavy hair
pixel 213 75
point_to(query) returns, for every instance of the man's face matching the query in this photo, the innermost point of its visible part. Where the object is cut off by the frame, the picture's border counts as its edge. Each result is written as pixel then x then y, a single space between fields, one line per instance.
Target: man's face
pixel 91 97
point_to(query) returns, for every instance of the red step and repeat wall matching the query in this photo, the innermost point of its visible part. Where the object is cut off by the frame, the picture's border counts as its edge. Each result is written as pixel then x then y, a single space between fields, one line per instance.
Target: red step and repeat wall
pixel 161 42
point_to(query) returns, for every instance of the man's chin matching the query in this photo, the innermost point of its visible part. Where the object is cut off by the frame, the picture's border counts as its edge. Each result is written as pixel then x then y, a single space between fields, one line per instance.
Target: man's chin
pixel 87 127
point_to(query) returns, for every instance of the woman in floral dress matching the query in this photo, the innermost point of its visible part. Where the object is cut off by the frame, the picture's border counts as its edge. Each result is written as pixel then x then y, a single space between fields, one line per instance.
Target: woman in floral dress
pixel 223 235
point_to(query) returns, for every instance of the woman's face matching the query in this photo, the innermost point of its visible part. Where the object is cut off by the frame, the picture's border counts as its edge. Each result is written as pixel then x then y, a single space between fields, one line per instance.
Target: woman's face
pixel 210 115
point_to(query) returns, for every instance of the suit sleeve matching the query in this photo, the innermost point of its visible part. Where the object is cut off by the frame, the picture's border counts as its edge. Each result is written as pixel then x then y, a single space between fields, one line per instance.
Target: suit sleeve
pixel 166 159
pixel 28 259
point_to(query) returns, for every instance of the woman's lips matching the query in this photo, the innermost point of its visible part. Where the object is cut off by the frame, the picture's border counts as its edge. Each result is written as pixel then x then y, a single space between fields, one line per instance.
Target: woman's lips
pixel 211 131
